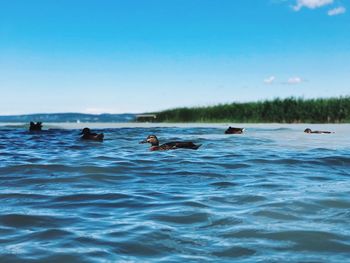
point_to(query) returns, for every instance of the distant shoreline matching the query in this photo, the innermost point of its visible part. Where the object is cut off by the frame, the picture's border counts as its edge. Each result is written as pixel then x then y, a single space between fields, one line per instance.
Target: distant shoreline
pixel 68 117
pixel 289 110
pixel 223 126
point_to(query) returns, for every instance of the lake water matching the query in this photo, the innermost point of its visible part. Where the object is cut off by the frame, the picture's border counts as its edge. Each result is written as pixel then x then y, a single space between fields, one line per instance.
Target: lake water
pixel 273 194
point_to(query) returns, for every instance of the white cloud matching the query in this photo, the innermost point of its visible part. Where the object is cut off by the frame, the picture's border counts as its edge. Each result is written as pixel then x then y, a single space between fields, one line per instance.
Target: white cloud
pixel 295 80
pixel 337 11
pixel 269 80
pixel 312 4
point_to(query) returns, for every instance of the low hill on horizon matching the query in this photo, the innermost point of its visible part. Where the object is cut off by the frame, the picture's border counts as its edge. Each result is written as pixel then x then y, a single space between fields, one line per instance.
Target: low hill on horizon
pixel 69 117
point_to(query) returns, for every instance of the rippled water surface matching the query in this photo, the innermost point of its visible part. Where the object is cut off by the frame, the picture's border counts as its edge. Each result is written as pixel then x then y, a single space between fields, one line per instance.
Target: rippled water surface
pixel 273 194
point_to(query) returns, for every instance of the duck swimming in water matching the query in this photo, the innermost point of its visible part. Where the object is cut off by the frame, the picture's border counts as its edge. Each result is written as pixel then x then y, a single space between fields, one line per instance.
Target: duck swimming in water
pixel 35 126
pixel 153 140
pixel 232 130
pixel 88 135
pixel 308 130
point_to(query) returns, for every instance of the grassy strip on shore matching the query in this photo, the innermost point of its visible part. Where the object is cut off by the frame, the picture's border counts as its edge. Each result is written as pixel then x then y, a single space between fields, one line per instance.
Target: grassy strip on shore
pixel 289 110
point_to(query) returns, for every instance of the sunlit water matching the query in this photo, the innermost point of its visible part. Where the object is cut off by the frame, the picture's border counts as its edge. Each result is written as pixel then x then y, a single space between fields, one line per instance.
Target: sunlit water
pixel 273 194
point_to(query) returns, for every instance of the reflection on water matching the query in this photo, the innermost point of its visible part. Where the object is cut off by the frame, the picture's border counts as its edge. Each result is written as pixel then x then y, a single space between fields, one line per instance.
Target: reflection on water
pixel 272 194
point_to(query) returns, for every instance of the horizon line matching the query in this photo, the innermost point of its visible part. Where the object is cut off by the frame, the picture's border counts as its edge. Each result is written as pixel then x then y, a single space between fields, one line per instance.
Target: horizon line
pixel 193 106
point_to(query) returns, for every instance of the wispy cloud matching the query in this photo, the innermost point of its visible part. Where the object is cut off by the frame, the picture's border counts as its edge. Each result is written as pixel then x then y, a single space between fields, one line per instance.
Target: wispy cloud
pixel 312 4
pixel 337 11
pixel 270 80
pixel 295 80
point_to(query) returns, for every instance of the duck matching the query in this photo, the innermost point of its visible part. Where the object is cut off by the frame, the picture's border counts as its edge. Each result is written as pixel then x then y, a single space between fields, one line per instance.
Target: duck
pixel 35 126
pixel 88 135
pixel 153 140
pixel 308 130
pixel 232 130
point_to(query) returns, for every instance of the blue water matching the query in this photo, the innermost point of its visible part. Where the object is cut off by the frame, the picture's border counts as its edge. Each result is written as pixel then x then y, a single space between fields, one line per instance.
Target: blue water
pixel 273 194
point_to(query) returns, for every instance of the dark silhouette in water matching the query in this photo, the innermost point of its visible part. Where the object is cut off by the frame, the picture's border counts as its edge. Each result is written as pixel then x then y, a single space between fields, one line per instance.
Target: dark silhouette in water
pixel 153 140
pixel 35 126
pixel 232 130
pixel 88 135
pixel 308 130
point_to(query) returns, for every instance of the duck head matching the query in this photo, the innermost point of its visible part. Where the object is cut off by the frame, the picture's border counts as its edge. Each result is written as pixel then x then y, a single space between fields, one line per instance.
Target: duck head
pixel 232 130
pixel 35 126
pixel 85 131
pixel 152 139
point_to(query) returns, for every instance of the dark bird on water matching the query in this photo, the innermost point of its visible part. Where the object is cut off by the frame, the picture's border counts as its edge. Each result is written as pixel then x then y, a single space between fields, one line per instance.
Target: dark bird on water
pixel 153 140
pixel 88 135
pixel 35 126
pixel 232 130
pixel 308 130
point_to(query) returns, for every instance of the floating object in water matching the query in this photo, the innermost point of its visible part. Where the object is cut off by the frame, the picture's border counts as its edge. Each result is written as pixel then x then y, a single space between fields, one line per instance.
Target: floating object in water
pixel 153 140
pixel 308 130
pixel 232 130
pixel 35 126
pixel 88 135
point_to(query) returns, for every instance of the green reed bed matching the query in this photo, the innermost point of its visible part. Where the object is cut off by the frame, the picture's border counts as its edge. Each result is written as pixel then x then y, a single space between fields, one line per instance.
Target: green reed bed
pixel 289 110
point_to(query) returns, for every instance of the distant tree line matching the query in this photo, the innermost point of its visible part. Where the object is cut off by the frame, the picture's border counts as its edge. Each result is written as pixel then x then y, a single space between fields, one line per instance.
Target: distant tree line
pixel 289 110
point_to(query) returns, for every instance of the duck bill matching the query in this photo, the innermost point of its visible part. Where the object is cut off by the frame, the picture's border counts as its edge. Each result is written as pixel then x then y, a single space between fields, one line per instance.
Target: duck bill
pixel 144 141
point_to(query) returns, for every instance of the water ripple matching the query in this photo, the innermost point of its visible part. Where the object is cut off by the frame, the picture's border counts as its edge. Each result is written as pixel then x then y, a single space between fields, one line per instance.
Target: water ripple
pixel 269 195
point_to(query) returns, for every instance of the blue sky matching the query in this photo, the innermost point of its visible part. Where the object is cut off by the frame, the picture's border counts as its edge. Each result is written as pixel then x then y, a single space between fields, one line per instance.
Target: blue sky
pixel 117 56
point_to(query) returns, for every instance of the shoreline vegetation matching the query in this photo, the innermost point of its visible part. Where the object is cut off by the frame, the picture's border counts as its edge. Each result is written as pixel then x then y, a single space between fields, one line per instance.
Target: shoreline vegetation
pixel 289 110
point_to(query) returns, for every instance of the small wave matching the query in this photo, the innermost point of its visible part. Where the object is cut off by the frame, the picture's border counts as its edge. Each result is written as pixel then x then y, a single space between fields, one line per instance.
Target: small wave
pixel 235 252
pixel 90 197
pixel 276 215
pixel 192 218
pixel 224 184
pixel 336 160
pixel 25 221
pixel 50 234
pixel 250 198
